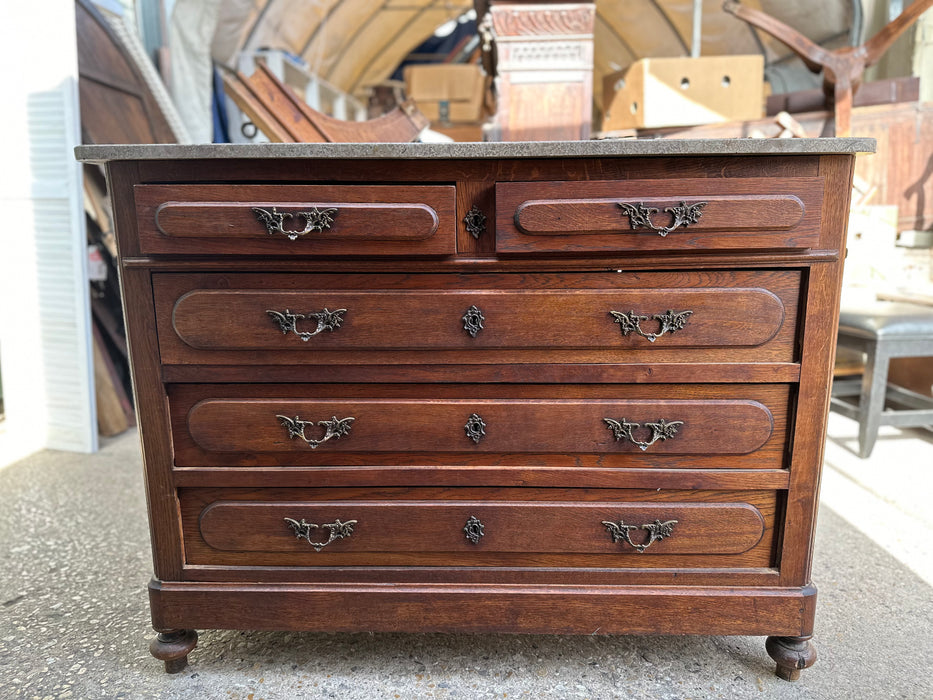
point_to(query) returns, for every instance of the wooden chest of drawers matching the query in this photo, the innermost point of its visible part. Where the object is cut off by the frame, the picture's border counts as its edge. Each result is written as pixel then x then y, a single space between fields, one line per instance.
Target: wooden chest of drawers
pixel 563 388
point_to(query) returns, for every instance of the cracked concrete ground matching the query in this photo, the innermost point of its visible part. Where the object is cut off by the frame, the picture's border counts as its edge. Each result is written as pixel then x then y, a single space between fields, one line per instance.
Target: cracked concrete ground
pixel 74 620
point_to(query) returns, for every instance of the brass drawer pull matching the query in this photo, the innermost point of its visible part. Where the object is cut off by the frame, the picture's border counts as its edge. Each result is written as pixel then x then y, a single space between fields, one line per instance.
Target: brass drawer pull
pixel 315 220
pixel 335 428
pixel 338 531
pixel 473 321
pixel 326 321
pixel 474 529
pixel 656 531
pixel 669 322
pixel 662 430
pixel 639 216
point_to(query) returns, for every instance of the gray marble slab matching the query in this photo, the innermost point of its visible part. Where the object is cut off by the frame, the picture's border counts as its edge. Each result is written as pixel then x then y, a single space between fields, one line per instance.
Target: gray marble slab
pixel 607 148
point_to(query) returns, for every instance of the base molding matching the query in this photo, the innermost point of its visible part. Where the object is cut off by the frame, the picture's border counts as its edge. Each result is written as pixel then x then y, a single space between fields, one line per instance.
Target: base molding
pixel 482 608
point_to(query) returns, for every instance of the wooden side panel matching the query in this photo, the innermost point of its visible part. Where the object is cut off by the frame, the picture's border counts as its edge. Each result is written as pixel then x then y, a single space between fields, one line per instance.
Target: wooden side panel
pixel 116 103
pixel 818 348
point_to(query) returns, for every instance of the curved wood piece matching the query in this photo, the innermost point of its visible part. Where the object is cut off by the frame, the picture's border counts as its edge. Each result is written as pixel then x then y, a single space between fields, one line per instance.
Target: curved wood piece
pixel 843 68
pixel 117 105
pixel 172 647
pixel 401 125
pixel 812 54
pixel 792 655
pixel 876 47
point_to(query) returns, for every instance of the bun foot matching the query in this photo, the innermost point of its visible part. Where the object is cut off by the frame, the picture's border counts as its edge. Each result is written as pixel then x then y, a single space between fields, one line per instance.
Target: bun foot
pixel 792 655
pixel 172 647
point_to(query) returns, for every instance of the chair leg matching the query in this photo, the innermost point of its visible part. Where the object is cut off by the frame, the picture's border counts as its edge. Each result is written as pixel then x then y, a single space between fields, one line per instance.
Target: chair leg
pixel 871 402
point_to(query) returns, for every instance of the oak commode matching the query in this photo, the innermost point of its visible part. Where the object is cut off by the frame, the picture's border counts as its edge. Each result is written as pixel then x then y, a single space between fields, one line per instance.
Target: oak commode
pixel 549 388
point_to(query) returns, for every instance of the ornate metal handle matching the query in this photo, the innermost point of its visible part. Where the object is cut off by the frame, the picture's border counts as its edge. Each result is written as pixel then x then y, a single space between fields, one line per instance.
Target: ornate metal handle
pixel 335 428
pixel 338 531
pixel 662 430
pixel 326 321
pixel 656 531
pixel 315 220
pixel 639 216
pixel 670 322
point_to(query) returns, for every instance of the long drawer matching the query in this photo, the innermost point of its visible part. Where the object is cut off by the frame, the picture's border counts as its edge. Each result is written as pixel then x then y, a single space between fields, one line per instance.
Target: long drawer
pixel 624 528
pixel 664 317
pixel 657 215
pixel 648 425
pixel 299 220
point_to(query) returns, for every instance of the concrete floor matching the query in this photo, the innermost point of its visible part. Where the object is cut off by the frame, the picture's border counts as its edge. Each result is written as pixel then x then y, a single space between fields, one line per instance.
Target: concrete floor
pixel 74 563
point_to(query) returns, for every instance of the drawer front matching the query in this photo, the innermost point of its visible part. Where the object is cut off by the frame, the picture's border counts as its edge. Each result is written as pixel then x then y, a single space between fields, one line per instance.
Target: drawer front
pixel 657 215
pixel 301 317
pixel 297 219
pixel 621 528
pixel 316 424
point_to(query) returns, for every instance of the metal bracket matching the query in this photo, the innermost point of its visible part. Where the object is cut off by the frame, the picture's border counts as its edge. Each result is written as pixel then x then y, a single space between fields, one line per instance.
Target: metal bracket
pixel 656 531
pixel 662 430
pixel 639 216
pixel 335 428
pixel 670 322
pixel 338 530
pixel 315 220
pixel 326 321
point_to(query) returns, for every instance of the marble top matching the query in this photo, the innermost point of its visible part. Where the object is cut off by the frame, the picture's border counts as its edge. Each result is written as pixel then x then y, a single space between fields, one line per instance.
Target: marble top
pixel 530 149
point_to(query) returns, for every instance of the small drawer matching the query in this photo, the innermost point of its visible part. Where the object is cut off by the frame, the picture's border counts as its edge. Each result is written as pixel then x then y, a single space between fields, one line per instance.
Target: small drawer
pixel 657 215
pixel 294 319
pixel 649 425
pixel 298 220
pixel 357 527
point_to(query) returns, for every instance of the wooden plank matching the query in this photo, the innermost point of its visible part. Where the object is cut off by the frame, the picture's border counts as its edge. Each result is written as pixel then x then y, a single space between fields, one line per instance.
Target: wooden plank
pixel 491 608
pixel 242 94
pixel 112 404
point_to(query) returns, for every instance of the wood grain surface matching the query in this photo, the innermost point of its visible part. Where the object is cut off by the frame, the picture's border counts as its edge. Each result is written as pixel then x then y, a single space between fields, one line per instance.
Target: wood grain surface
pixel 551 217
pixel 368 219
pixel 733 425
pixel 735 316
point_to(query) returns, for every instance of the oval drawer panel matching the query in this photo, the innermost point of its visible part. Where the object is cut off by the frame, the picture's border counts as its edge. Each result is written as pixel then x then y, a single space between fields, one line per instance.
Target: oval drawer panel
pixel 710 426
pixel 276 319
pixel 297 220
pixel 223 319
pixel 598 528
pixel 657 215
